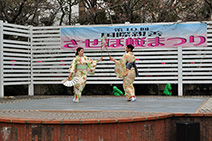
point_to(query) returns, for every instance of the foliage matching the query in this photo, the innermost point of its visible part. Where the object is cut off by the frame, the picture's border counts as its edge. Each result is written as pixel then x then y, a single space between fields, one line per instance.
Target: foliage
pixel 22 11
pixel 60 12
pixel 66 7
pixel 35 12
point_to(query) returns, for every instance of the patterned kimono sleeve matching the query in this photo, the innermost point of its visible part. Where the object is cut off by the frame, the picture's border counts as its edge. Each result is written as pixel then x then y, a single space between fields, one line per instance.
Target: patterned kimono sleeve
pixel 91 65
pixel 72 68
pixel 120 67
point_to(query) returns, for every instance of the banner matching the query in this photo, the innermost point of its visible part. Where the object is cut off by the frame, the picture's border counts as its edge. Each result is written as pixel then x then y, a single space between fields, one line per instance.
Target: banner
pixel 143 36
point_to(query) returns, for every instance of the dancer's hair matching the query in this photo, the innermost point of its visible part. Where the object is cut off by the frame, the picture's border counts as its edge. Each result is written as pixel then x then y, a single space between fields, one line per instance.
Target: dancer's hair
pixel 78 49
pixel 131 47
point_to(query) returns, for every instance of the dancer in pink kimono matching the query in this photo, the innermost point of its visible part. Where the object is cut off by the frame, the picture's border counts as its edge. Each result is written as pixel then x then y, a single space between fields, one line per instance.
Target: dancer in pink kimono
pixel 81 66
pixel 126 68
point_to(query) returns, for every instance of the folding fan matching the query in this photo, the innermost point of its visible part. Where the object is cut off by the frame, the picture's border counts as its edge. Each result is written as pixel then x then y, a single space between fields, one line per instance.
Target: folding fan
pixel 70 82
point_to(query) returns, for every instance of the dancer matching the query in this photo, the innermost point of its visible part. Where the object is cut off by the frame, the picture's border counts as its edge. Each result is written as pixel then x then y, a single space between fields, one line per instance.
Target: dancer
pixel 81 66
pixel 126 68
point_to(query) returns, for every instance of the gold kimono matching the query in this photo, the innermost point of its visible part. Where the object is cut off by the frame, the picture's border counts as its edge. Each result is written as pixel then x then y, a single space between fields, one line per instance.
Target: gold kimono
pixel 127 75
pixel 81 67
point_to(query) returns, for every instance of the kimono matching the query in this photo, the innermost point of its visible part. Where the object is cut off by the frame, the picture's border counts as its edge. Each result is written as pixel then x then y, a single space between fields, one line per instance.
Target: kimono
pixel 128 74
pixel 81 67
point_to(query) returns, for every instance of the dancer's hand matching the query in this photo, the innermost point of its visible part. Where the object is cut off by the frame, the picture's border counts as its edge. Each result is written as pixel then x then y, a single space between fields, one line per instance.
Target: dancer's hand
pixel 70 74
pixel 111 58
pixel 100 59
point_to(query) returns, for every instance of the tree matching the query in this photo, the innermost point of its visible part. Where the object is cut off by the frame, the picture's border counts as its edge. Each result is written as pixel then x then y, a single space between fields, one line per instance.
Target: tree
pixel 11 10
pixel 208 9
pixel 126 10
pixel 144 11
pixel 94 13
pixel 59 12
pixel 66 7
pixel 26 12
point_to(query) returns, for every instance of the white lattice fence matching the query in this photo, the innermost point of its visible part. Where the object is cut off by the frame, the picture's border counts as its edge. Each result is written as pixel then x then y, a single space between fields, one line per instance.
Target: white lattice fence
pixel 15 55
pixel 32 55
pixel 197 62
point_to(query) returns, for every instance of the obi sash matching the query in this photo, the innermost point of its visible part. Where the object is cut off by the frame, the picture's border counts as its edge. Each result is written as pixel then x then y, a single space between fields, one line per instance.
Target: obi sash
pixel 129 65
pixel 81 67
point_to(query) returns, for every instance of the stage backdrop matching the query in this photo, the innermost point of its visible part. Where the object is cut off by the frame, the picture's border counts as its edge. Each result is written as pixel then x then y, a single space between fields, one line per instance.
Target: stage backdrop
pixel 141 36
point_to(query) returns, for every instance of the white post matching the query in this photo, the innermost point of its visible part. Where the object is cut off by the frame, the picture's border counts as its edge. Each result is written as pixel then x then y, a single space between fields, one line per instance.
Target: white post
pixel 1 61
pixel 31 85
pixel 180 72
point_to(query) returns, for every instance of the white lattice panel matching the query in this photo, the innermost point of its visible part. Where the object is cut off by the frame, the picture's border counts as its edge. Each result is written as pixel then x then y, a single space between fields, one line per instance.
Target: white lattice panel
pixel 16 54
pixel 32 55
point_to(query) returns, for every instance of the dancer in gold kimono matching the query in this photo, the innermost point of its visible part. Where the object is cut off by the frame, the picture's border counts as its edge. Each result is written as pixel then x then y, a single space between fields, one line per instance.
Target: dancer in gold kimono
pixel 81 66
pixel 126 68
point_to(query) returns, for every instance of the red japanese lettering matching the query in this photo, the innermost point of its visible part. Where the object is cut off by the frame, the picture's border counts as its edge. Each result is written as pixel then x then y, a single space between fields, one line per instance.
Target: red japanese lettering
pixel 155 42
